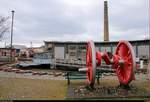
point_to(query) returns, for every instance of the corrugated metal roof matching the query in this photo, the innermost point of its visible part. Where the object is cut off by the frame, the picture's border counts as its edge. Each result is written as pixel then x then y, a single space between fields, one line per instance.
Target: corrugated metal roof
pixel 145 40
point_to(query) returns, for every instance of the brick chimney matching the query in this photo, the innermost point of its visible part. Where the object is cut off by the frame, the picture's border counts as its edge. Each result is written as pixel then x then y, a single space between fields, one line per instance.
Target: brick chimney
pixel 106 26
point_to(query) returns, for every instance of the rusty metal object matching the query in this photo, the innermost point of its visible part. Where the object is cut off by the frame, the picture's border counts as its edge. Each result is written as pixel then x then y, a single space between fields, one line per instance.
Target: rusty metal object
pixel 1 69
pixel 7 69
pixel 35 73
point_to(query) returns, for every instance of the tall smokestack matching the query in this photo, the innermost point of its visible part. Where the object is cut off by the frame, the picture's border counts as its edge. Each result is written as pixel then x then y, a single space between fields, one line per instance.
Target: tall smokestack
pixel 106 27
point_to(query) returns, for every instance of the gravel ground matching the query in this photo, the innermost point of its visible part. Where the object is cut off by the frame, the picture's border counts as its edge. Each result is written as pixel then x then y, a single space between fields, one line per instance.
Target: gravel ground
pixel 36 87
pixel 138 76
pixel 50 74
pixel 30 76
pixel 16 86
pixel 108 89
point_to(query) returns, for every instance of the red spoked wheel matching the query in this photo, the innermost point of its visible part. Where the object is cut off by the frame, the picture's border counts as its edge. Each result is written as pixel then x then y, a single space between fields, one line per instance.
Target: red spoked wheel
pixel 125 73
pixel 91 63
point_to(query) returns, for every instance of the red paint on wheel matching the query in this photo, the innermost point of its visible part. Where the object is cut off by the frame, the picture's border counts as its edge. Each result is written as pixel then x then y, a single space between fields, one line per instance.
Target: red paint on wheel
pixel 125 73
pixel 89 64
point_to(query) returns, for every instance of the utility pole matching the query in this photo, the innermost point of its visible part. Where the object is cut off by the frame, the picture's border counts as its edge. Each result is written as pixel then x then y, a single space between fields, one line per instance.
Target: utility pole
pixel 5 44
pixel 12 33
pixel 149 29
pixel 31 44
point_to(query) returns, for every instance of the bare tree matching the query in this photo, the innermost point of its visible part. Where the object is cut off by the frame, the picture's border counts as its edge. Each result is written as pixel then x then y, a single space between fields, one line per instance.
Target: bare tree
pixel 4 26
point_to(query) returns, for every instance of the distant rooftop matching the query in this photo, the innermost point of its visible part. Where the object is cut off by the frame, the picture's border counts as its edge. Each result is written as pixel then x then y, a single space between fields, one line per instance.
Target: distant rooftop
pixel 95 41
pixel 17 46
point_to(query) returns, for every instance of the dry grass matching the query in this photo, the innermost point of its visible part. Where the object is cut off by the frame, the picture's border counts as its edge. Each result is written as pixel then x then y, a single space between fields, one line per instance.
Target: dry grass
pixel 103 82
pixel 40 89
pixel 143 85
pixel 32 89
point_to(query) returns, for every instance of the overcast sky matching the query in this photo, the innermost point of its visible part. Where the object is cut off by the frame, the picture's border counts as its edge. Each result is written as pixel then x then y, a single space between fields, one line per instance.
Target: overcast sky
pixel 75 20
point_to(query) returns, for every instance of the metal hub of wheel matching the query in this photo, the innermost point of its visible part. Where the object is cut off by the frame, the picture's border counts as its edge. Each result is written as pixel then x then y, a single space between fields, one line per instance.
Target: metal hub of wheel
pixel 125 53
pixel 91 63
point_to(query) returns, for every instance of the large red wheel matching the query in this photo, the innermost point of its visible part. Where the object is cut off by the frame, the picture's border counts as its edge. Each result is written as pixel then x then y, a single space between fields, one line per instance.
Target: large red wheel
pixel 91 63
pixel 125 52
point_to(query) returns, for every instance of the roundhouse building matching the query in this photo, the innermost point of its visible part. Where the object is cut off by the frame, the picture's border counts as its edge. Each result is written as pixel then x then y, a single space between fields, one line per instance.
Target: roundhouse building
pixel 77 50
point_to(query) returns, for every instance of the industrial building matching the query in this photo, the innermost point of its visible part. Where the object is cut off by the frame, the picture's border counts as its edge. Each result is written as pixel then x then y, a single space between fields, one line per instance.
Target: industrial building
pixel 77 50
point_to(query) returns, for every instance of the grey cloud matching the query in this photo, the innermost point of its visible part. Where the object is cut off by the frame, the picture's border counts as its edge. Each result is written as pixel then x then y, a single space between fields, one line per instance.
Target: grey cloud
pixel 49 21
pixel 125 15
pixel 38 20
